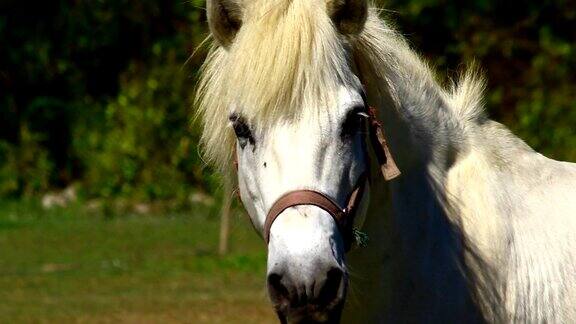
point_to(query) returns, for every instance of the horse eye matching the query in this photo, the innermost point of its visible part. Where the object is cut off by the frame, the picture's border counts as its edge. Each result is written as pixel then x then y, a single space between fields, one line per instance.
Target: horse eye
pixel 242 130
pixel 354 122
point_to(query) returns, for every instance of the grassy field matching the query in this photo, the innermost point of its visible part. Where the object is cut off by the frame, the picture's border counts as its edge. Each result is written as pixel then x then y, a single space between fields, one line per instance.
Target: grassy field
pixel 69 266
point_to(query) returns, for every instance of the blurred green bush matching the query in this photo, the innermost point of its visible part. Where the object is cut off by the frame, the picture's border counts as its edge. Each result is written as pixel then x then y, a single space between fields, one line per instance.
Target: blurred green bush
pixel 527 49
pixel 99 93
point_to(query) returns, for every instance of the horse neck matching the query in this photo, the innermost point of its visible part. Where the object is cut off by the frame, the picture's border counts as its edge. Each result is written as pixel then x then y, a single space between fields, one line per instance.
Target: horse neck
pixel 422 133
pixel 421 129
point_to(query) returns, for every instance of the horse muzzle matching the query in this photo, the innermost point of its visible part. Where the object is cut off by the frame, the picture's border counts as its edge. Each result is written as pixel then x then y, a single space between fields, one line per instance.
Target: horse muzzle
pixel 308 299
pixel 308 282
pixel 307 278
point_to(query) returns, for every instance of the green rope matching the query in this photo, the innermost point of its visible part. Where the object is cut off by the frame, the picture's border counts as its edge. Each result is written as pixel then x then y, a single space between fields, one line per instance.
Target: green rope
pixel 361 238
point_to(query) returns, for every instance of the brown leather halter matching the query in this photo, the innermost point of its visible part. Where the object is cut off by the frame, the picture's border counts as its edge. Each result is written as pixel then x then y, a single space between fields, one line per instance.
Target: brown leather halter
pixel 343 216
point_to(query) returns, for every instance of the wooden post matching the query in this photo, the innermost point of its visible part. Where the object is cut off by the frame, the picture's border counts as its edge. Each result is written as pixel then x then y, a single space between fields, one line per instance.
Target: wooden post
pixel 225 217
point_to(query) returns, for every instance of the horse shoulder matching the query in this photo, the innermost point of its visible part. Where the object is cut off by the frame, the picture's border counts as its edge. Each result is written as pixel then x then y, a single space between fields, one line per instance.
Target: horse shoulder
pixel 542 242
pixel 518 210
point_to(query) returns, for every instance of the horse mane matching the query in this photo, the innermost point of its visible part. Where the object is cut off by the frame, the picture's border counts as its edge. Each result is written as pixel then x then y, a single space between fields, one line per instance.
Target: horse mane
pixel 396 66
pixel 288 59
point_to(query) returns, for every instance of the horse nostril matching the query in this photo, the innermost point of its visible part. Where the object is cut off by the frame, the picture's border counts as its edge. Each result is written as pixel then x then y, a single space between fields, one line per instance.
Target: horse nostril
pixel 331 288
pixel 324 289
pixel 278 292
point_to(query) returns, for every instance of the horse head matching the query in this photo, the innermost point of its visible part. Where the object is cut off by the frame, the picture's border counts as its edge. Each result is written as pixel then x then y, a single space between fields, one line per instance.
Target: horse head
pixel 279 96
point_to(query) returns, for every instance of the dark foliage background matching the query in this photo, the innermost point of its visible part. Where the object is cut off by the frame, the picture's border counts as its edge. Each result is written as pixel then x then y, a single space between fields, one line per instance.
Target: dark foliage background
pixel 99 93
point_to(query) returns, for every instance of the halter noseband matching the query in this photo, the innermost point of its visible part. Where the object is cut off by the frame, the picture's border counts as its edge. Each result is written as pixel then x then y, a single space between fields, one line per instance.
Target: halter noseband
pixel 344 217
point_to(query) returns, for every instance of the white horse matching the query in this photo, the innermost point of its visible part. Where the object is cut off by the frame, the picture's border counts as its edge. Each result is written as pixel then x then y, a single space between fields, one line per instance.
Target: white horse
pixel 478 227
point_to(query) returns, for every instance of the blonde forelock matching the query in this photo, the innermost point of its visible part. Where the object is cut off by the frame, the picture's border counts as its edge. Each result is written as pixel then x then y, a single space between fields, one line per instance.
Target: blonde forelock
pixel 286 61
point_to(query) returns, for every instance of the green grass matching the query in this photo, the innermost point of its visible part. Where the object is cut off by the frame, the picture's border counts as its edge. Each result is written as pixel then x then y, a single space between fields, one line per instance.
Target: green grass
pixel 66 265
